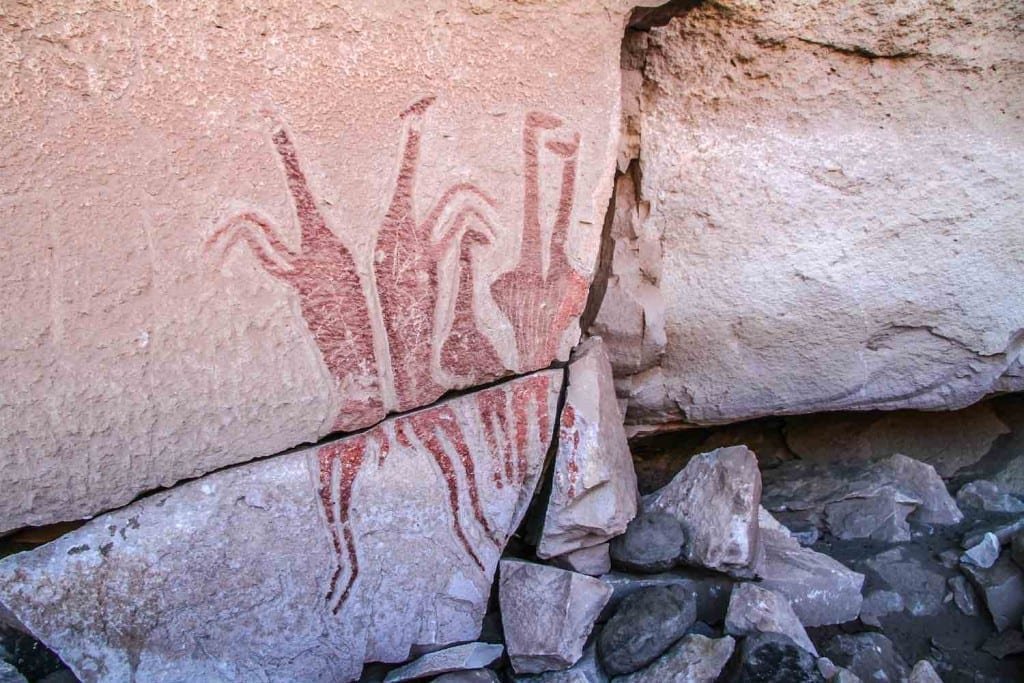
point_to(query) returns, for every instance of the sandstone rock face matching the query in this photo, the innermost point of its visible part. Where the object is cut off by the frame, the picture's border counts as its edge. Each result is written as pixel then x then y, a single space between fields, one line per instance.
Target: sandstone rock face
pixel 301 566
pixel 594 493
pixel 833 189
pixel 231 230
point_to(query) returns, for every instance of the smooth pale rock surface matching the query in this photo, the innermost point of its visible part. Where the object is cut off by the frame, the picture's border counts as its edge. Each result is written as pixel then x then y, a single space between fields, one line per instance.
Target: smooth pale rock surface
pixel 1002 588
pixel 458 658
pixel 988 496
pixel 949 441
pixel 694 659
pixel 301 566
pixel 715 498
pixel 756 610
pixel 924 672
pixel 653 542
pixel 820 589
pixel 871 656
pixel 592 561
pixel 835 192
pixel 594 493
pixel 773 658
pixel 644 626
pixel 547 614
pixel 232 230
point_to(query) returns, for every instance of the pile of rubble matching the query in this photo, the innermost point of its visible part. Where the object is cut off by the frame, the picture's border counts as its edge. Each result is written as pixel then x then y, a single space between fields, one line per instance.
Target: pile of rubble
pixel 731 571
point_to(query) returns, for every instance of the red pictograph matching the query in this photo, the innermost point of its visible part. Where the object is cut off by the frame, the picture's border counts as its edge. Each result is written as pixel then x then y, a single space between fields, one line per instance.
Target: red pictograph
pixel 540 297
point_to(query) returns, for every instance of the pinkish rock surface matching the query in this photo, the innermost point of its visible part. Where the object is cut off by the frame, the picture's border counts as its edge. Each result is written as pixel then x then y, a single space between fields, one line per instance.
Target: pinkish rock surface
pixel 829 207
pixel 304 565
pixel 594 492
pixel 231 230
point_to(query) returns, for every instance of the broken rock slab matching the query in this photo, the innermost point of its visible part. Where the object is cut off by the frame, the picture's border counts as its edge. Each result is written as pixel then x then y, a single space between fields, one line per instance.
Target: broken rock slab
pixel 1002 588
pixel 302 566
pixel 458 658
pixel 322 261
pixel 820 589
pixel 594 492
pixel 547 614
pixel 757 610
pixel 694 659
pixel 715 498
pixel 644 625
pixel 924 672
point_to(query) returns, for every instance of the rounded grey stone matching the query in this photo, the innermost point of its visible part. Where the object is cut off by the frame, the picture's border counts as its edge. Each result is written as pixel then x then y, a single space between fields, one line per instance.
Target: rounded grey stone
pixel 653 542
pixel 645 625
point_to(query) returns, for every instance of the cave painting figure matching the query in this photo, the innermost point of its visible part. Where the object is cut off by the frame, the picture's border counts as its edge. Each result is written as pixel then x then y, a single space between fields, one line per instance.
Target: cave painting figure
pixel 540 297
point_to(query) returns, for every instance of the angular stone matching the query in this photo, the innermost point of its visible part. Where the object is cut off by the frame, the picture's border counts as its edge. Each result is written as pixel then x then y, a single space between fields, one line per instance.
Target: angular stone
pixel 871 656
pixel 586 670
pixel 924 672
pixel 1002 588
pixel 821 590
pixel 8 674
pixel 301 566
pixel 844 311
pixel 474 676
pixel 458 658
pixel 694 659
pixel 921 588
pixel 773 658
pixel 756 610
pixel 261 263
pixel 984 553
pixel 653 542
pixel 963 595
pixel 878 604
pixel 594 493
pixel 948 441
pixel 644 625
pixel 547 614
pixel 716 498
pixel 710 590
pixel 988 496
pixel 881 516
pixel 592 561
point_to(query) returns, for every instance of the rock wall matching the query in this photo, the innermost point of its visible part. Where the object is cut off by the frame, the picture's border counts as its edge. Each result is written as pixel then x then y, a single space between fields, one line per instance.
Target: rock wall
pixel 825 212
pixel 232 229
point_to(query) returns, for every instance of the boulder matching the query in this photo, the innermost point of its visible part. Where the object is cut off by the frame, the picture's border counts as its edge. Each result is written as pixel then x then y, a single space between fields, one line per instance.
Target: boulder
pixel 459 658
pixel 592 561
pixel 301 566
pixel 547 614
pixel 886 235
pixel 285 235
pixel 924 672
pixel 988 496
pixel 772 658
pixel 694 659
pixel 871 656
pixel 756 610
pixel 586 670
pixel 821 590
pixel 593 493
pixel 654 542
pixel 716 498
pixel 643 626
pixel 1002 588
pixel 710 590
pixel 984 553
pixel 921 588
pixel 948 441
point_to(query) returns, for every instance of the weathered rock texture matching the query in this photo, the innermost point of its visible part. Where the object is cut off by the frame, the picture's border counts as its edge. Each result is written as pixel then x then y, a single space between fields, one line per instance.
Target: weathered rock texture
pixel 229 230
pixel 834 192
pixel 594 493
pixel 301 566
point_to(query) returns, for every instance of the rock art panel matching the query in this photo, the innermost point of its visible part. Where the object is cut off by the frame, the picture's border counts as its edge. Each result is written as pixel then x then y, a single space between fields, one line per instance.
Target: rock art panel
pixel 301 566
pixel 834 191
pixel 231 230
